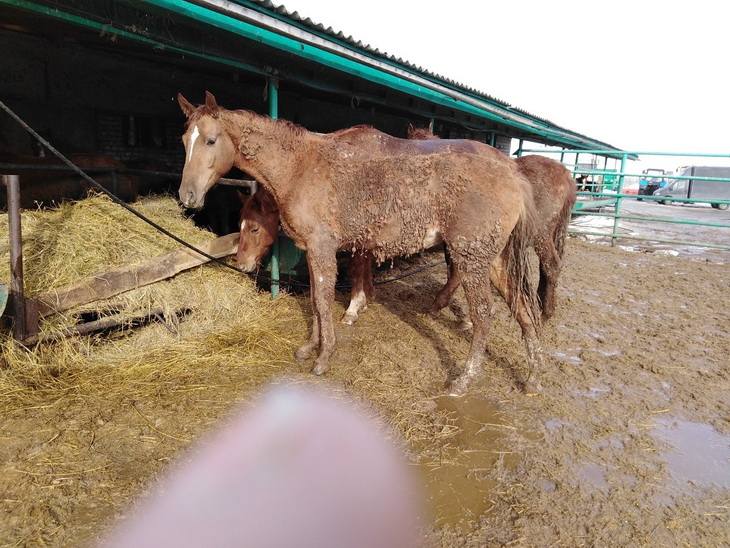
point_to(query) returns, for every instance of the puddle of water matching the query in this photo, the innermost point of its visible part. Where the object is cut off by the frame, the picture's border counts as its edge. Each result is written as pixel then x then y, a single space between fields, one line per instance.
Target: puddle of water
pixel 609 353
pixel 699 454
pixel 610 442
pixel 457 483
pixel 553 424
pixel 593 392
pixel 593 475
pixel 566 358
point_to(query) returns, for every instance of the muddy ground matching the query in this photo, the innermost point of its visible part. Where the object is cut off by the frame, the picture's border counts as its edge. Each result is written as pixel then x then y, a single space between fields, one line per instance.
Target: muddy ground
pixel 627 445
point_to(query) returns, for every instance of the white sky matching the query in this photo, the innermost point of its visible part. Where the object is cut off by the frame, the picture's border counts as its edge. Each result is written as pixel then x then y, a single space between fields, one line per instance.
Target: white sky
pixel 641 75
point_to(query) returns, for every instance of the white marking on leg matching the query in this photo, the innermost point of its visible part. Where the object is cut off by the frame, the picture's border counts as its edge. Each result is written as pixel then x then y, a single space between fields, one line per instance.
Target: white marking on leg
pixel 193 137
pixel 357 303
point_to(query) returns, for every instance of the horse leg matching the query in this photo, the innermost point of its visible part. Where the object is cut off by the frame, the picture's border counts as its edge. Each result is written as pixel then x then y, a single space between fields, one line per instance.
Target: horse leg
pixel 479 297
pixel 324 274
pixel 443 298
pixel 549 271
pixel 305 351
pixel 521 312
pixel 361 275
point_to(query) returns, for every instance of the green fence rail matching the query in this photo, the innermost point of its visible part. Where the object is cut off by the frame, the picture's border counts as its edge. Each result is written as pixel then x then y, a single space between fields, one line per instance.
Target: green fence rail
pixel 597 201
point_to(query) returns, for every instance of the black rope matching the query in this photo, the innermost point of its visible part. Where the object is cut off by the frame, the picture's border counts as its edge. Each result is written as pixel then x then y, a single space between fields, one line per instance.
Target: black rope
pixel 162 229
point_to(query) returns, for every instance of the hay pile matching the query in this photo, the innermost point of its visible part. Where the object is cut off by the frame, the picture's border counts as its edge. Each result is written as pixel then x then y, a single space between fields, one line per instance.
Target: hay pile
pixel 87 423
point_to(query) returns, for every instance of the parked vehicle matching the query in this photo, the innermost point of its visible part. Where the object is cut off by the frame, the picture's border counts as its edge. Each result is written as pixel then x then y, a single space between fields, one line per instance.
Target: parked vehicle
pixel 652 179
pixel 698 189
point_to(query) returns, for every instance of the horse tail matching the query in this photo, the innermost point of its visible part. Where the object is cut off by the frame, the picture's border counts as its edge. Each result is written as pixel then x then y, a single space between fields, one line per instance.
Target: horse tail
pixel 561 231
pixel 518 266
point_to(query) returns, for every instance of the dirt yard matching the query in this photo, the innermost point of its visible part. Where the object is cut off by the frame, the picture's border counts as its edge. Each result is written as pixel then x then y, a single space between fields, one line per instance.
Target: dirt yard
pixel 628 445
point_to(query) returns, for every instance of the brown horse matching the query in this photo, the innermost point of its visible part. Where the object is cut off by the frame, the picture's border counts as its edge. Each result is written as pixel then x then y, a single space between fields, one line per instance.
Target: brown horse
pixel 365 191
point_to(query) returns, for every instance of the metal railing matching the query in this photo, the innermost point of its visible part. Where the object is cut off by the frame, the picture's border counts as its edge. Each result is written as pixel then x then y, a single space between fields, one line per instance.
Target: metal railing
pixel 598 202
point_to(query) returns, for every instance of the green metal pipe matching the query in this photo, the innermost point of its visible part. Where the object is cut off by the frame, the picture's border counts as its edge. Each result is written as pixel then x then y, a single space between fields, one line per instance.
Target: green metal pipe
pixel 634 153
pixel 273 100
pixel 678 177
pixel 619 190
pixel 653 198
pixel 652 219
pixel 645 239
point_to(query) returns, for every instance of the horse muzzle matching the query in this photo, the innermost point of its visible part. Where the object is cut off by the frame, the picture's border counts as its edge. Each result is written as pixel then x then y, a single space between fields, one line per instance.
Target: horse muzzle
pixel 189 200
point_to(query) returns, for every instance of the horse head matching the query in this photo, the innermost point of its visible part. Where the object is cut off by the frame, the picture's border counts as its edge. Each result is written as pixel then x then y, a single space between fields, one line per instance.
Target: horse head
pixel 259 227
pixel 209 150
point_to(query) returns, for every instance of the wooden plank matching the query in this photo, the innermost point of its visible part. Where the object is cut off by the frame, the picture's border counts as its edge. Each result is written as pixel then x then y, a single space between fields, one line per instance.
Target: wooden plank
pixel 101 324
pixel 126 278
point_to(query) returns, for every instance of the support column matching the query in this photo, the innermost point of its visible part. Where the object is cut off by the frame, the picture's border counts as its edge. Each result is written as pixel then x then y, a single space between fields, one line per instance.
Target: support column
pixel 273 99
pixel 17 289
pixel 617 208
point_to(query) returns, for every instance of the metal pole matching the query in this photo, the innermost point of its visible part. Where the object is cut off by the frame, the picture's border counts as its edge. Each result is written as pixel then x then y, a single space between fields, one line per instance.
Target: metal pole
pixel 12 185
pixel 619 197
pixel 562 157
pixel 273 99
pixel 431 124
pixel 519 149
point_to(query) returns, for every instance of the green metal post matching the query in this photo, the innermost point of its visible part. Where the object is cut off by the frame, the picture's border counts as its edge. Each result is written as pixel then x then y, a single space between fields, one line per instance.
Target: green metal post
pixel 575 167
pixel 273 98
pixel 619 197
pixel 431 125
pixel 562 157
pixel 493 139
pixel 519 149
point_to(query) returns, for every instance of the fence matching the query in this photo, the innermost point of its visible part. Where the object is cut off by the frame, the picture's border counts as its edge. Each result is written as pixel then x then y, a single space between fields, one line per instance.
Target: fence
pixel 606 199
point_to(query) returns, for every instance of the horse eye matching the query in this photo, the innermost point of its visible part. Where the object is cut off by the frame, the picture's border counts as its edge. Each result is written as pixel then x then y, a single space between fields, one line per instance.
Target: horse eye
pixel 255 229
pixel 210 142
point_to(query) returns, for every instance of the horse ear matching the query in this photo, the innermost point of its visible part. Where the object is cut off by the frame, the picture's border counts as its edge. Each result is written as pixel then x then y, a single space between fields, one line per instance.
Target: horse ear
pixel 185 105
pixel 243 198
pixel 210 101
pixel 267 202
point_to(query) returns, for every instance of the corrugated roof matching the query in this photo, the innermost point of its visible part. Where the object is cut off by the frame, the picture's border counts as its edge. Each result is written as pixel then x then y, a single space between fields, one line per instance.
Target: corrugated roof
pixel 293 17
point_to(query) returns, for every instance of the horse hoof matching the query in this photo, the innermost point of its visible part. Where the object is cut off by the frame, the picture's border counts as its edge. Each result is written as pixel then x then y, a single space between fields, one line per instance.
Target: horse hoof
pixel 459 386
pixel 349 319
pixel 320 368
pixel 304 352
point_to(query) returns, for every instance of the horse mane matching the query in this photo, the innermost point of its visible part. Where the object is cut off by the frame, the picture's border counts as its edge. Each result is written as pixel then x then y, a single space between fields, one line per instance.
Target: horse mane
pixel 279 123
pixel 352 128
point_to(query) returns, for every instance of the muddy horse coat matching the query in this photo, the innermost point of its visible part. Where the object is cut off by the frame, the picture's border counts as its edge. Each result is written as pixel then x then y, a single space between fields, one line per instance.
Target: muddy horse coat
pixel 365 191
